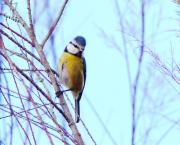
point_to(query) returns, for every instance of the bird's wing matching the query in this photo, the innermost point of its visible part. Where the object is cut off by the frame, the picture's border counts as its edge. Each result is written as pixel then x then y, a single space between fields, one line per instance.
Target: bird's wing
pixel 84 73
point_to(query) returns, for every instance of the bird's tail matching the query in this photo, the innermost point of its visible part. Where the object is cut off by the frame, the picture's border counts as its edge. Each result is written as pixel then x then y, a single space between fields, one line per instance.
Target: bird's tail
pixel 77 110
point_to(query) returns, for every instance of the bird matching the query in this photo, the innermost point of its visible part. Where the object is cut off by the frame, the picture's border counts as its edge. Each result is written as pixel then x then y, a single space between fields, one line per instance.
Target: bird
pixel 72 70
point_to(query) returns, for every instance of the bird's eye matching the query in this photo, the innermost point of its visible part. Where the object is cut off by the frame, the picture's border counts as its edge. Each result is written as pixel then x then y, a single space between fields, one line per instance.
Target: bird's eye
pixel 76 46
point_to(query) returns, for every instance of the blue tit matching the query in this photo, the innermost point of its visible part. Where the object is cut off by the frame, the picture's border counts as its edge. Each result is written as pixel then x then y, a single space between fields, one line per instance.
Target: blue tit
pixel 72 70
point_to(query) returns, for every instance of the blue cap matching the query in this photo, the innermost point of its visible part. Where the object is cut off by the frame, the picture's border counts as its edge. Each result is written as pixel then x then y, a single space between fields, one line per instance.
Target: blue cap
pixel 80 40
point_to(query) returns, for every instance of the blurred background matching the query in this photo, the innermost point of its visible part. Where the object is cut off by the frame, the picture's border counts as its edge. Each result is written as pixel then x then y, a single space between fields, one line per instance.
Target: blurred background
pixel 132 91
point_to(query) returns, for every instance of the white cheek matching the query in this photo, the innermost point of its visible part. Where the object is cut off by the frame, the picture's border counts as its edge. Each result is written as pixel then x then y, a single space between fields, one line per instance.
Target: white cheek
pixel 72 49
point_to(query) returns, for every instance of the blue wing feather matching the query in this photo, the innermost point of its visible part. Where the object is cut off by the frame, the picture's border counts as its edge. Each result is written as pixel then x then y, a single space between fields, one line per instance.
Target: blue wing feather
pixel 77 105
pixel 84 72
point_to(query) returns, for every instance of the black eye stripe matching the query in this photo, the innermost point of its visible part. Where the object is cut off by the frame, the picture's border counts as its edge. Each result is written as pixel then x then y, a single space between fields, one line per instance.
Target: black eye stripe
pixel 74 45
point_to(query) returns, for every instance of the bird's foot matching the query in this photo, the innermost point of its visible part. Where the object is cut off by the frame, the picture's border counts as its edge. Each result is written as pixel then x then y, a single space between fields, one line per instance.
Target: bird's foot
pixel 59 93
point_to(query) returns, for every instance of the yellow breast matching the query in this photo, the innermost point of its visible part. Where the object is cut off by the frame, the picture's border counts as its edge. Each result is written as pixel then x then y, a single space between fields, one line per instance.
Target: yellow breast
pixel 70 68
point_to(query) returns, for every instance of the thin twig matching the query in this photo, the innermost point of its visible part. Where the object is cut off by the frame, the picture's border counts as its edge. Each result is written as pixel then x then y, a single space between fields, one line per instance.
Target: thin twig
pixel 101 122
pixel 39 48
pixel 31 70
pixel 61 10
pixel 19 45
pixel 25 39
pixel 136 82
pixel 37 87
pixel 32 34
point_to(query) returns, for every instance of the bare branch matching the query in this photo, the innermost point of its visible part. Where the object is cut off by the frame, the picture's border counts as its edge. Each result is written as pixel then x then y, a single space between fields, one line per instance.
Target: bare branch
pixel 61 10
pixel 25 39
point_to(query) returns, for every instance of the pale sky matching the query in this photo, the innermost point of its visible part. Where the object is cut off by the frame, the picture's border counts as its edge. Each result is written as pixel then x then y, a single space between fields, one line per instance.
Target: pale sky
pixel 107 87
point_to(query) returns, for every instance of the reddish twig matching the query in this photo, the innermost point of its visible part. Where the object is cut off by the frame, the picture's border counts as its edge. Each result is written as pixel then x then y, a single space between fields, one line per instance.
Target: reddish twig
pixel 19 45
pixel 19 35
pixel 61 10
pixel 17 119
pixel 37 87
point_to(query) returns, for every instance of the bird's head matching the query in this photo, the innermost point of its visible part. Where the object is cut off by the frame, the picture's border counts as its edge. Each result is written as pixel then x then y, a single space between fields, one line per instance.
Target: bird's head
pixel 77 45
